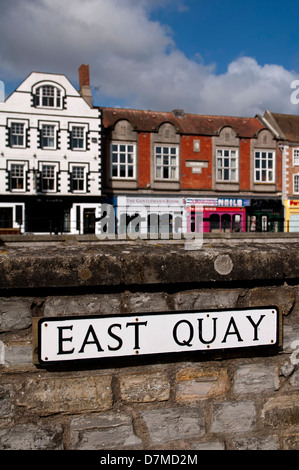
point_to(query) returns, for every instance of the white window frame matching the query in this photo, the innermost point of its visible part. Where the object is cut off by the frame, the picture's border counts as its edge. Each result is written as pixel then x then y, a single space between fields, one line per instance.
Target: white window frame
pixel 53 165
pixel 296 190
pixel 17 122
pixel 42 126
pixel 166 162
pixel 22 177
pixel 43 98
pixel 123 160
pixel 73 126
pixel 227 165
pixel 264 167
pixel 295 156
pixel 84 179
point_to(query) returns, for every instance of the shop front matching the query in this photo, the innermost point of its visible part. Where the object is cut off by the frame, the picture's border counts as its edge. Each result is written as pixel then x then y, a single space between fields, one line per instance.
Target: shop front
pixel 217 214
pixel 292 215
pixel 150 216
pixel 265 215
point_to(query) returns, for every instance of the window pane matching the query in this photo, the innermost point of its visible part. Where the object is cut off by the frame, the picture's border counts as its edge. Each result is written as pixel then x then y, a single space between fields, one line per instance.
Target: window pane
pixel 130 172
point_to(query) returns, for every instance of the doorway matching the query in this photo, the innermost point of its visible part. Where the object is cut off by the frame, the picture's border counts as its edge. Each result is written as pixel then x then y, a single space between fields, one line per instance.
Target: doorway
pixel 89 219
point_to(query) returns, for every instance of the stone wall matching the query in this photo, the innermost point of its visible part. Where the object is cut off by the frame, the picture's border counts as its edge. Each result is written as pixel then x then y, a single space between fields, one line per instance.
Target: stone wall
pixel 221 400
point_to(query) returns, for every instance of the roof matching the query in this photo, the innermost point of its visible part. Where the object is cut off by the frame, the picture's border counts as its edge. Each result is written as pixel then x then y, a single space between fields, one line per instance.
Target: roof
pixel 149 121
pixel 286 124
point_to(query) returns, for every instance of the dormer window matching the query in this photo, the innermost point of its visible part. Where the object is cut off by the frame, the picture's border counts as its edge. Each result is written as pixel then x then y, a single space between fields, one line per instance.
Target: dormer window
pixel 48 96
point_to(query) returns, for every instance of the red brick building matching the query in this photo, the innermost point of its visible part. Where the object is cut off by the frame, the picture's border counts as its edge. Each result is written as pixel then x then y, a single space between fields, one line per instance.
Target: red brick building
pixel 231 166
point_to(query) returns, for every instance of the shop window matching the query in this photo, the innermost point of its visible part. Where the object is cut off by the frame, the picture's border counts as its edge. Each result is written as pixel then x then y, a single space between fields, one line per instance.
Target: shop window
pixel 225 223
pixel 237 221
pixel 214 223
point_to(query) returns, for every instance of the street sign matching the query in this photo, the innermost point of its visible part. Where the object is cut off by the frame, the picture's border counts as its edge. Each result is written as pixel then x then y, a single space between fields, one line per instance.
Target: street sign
pixel 62 339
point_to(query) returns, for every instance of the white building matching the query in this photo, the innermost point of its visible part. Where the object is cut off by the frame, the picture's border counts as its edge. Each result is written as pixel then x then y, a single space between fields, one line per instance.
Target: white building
pixel 50 156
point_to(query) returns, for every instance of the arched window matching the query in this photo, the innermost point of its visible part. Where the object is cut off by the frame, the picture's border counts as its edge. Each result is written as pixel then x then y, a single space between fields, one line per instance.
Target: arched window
pixel 47 95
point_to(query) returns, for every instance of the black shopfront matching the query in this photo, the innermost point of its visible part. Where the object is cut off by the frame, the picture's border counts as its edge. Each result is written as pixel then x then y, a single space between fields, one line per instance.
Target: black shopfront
pixel 265 215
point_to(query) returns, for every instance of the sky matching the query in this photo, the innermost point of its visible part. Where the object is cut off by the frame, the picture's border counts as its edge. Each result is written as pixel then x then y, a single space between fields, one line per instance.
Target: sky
pixel 221 57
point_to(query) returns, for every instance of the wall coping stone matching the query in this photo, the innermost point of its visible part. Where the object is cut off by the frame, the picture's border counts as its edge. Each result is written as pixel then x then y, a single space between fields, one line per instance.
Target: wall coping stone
pixel 71 265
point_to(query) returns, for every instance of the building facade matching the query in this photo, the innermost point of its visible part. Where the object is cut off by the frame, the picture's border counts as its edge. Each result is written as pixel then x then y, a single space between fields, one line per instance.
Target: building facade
pixel 50 156
pixel 227 171
pixel 286 129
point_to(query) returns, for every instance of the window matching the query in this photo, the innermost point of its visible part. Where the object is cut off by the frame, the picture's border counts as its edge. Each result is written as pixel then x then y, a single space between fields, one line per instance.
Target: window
pixel 78 178
pixel 166 162
pixel 227 165
pixel 48 96
pixel 123 161
pixel 78 141
pixel 17 177
pixel 48 136
pixel 296 183
pixel 17 134
pixel 264 167
pixel 48 178
pixel 295 157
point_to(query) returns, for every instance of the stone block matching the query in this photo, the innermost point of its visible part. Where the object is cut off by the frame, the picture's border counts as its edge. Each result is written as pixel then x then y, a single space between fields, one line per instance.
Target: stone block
pixel 261 443
pixel 15 354
pixel 32 437
pixel 278 296
pixel 213 445
pixel 233 417
pixel 107 431
pixel 53 395
pixel 96 304
pixel 6 401
pixel 15 313
pixel 171 424
pixel 256 378
pixel 196 384
pixel 206 299
pixel 145 302
pixel 290 441
pixel 144 387
pixel 281 411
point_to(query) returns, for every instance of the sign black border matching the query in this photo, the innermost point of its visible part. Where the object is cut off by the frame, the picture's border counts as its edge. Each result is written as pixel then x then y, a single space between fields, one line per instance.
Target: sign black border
pixel 154 355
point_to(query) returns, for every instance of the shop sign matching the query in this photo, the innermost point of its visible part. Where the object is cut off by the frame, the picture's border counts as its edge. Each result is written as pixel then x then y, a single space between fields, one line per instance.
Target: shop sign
pixel 115 336
pixel 219 202
pixel 294 203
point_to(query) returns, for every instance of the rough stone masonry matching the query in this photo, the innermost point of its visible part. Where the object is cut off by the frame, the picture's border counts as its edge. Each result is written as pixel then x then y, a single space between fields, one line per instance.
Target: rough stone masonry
pixel 245 399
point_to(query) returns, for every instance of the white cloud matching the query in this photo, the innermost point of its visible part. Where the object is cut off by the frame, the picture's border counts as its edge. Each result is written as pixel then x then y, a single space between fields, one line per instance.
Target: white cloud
pixel 132 59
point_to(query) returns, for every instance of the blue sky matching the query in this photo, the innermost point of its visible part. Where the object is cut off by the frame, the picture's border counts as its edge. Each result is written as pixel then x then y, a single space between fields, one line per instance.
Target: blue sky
pixel 218 57
pixel 222 30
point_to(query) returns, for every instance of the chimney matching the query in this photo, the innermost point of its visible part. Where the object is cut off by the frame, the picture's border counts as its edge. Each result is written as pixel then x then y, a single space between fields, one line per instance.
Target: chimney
pixel 84 87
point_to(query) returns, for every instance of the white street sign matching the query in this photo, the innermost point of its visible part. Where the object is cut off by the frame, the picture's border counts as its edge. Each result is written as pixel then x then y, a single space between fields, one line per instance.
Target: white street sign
pixel 109 336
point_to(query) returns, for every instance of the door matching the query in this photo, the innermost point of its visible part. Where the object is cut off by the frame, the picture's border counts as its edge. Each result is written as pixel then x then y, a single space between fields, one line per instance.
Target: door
pixel 6 217
pixel 89 216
